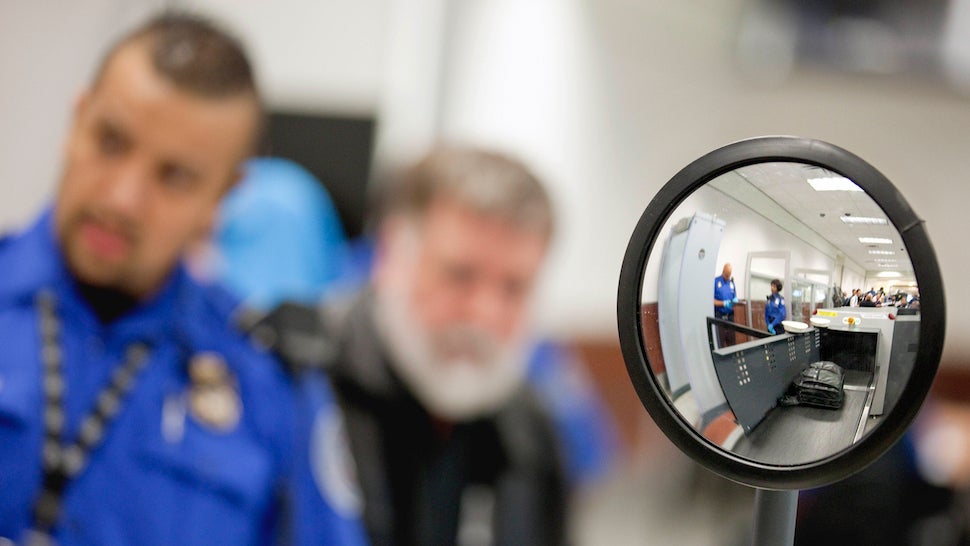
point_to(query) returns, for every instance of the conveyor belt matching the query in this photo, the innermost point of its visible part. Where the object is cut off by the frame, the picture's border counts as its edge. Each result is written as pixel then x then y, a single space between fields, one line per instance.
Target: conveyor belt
pixel 801 434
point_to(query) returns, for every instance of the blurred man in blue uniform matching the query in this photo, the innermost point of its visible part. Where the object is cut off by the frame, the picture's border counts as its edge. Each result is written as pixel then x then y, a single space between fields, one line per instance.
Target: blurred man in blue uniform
pixel 725 296
pixel 131 412
pixel 775 311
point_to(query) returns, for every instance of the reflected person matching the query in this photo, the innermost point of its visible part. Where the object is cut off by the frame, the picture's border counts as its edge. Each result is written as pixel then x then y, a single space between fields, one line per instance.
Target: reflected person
pixel 775 311
pixel 856 297
pixel 131 411
pixel 431 359
pixel 725 296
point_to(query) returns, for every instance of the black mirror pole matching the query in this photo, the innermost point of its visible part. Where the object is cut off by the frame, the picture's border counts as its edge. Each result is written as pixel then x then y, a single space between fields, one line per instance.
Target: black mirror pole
pixel 774 517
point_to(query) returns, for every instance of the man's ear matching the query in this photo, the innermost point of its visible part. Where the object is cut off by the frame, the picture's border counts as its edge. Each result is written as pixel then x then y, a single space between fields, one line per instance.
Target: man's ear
pixel 396 243
pixel 234 179
pixel 206 225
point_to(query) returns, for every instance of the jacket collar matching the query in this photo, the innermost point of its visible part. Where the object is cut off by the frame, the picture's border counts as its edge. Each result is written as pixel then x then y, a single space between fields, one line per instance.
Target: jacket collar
pixel 364 359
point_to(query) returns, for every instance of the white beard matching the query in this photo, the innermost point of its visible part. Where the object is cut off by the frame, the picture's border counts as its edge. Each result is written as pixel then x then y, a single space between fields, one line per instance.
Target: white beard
pixel 459 374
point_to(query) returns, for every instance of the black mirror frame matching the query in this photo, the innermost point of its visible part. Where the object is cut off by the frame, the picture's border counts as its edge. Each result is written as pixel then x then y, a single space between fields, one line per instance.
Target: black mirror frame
pixel 932 319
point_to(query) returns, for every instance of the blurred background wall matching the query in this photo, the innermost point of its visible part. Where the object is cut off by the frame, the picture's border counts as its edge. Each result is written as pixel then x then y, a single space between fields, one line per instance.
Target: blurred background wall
pixel 606 99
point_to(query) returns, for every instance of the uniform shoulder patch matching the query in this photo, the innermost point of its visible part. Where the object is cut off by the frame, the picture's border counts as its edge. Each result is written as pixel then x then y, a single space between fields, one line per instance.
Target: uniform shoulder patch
pixel 332 463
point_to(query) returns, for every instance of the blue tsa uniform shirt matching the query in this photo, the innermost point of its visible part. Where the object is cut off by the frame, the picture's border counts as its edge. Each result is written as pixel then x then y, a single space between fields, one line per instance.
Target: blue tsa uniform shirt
pixel 325 491
pixel 724 291
pixel 775 312
pixel 164 426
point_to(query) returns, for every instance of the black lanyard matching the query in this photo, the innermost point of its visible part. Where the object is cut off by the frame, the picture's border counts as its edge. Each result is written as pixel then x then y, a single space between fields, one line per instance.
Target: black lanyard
pixel 62 460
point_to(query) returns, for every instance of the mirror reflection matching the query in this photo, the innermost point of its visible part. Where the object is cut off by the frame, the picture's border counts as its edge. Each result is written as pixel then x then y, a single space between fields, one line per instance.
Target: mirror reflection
pixel 780 312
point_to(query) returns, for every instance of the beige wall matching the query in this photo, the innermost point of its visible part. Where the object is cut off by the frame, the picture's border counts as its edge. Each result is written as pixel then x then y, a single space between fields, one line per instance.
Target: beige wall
pixel 655 85
pixel 606 98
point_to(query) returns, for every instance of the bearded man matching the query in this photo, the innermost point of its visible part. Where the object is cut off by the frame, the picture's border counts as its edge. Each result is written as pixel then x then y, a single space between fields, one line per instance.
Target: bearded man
pixel 450 444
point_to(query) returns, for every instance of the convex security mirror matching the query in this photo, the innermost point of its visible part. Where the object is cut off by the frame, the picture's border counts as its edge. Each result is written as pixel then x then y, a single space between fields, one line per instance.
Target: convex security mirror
pixel 735 320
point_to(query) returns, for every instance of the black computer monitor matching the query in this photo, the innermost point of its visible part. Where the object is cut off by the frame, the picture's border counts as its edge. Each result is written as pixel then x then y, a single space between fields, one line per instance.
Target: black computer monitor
pixel 334 148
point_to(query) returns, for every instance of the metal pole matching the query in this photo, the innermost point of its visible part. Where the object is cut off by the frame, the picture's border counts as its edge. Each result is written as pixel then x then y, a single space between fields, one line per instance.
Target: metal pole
pixel 774 517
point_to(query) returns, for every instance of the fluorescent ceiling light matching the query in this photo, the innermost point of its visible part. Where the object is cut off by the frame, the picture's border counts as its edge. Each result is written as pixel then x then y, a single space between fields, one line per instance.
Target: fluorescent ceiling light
pixel 883 252
pixel 875 241
pixel 885 260
pixel 864 220
pixel 889 274
pixel 833 183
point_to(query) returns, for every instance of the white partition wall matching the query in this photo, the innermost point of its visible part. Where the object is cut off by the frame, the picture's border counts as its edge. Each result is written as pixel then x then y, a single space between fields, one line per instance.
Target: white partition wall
pixel 685 300
pixel 667 309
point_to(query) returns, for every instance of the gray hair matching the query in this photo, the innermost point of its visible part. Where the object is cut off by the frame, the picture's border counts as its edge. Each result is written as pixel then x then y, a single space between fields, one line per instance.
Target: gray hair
pixel 487 182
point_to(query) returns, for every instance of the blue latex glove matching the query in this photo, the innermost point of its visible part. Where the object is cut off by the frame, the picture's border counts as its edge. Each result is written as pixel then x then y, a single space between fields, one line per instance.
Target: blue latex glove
pixel 728 305
pixel 771 329
pixel 735 300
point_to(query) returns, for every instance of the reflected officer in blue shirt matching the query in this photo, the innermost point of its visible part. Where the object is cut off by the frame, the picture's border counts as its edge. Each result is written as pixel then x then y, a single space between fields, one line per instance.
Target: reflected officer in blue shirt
pixel 725 296
pixel 775 311
pixel 131 412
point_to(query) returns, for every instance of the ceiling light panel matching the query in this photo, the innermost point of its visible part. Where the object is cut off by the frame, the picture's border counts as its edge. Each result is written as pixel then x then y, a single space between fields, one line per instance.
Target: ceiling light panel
pixel 864 220
pixel 875 241
pixel 833 183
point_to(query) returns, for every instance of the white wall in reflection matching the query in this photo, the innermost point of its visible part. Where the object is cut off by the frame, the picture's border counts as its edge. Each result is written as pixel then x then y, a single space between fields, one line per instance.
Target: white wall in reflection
pixel 745 231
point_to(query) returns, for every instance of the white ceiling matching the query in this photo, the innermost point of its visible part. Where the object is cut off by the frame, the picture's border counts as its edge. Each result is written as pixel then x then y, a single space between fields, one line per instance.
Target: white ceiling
pixel 787 185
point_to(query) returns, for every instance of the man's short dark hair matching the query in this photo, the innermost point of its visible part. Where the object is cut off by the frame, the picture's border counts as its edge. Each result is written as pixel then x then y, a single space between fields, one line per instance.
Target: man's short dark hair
pixel 192 53
pixel 777 284
pixel 197 57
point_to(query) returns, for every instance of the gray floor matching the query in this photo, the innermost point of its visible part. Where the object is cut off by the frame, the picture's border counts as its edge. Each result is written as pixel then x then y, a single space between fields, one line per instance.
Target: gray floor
pixel 658 496
pixel 667 500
